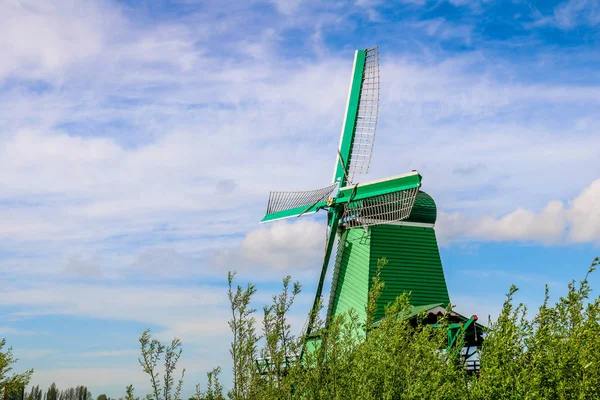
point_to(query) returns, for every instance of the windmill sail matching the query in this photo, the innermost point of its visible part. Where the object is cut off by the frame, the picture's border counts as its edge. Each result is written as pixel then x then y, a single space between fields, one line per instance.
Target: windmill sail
pixel 366 120
pixel 339 254
pixel 360 121
pixel 378 210
pixel 292 204
pixel 334 219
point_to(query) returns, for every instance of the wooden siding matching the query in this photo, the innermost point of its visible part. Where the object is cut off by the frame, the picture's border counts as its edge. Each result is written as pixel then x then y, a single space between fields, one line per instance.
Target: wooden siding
pixel 414 265
pixel 352 287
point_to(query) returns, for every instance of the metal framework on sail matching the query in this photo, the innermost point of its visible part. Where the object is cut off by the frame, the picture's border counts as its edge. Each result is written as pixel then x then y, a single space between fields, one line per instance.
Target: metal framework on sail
pixel 282 201
pixel 339 254
pixel 366 121
pixel 391 207
pixel 266 366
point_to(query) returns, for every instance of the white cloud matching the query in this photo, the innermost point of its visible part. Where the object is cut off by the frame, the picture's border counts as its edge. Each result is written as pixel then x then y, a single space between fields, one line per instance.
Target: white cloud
pixel 555 223
pixel 39 38
pixel 584 215
pixel 110 353
pixel 277 249
pixel 151 303
pixel 545 226
pixel 65 191
pixel 7 330
pixel 444 30
pixel 415 2
pixel 570 14
pixel 460 2
pixel 200 330
pixel 282 245
pixel 287 7
pixel 28 354
pixel 84 268
pixel 486 309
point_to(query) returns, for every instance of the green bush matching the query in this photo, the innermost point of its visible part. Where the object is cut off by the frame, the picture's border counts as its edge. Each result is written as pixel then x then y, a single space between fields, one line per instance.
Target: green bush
pixel 11 385
pixel 553 355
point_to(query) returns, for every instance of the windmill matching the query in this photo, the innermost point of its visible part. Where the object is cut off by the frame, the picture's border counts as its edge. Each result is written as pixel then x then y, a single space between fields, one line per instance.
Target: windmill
pixel 389 218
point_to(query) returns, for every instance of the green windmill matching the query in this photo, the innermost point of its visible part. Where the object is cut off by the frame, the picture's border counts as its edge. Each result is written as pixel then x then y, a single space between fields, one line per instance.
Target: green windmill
pixel 389 218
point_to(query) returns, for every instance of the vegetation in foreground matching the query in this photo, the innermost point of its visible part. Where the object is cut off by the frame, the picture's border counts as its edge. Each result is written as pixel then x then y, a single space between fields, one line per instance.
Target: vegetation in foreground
pixel 11 384
pixel 550 355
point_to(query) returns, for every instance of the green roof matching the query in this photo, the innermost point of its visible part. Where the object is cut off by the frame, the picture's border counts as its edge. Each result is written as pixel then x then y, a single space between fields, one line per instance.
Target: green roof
pixel 424 209
pixel 416 310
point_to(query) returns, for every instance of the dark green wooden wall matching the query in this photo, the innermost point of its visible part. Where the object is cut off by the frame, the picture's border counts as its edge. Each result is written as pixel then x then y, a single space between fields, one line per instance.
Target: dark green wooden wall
pixel 414 265
pixel 351 273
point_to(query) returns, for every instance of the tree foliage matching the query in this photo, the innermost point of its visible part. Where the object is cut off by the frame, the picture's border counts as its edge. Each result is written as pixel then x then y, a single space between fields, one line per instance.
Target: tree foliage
pixel 54 393
pixel 244 344
pixel 152 352
pixel 553 355
pixel 35 393
pixel 11 384
pixel 550 355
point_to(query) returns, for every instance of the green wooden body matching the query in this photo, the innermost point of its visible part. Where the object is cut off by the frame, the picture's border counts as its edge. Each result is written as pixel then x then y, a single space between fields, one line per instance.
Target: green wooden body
pixel 414 263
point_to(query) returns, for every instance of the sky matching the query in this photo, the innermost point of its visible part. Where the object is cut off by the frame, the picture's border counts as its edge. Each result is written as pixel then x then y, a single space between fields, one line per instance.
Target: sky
pixel 139 141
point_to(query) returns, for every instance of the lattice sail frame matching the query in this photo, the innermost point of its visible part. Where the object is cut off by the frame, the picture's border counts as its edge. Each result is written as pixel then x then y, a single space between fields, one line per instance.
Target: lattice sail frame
pixel 379 210
pixel 366 122
pixel 339 254
pixel 282 200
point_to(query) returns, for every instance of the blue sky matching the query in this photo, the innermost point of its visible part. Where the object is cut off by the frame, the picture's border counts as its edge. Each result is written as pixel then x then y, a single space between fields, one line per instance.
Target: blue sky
pixel 139 141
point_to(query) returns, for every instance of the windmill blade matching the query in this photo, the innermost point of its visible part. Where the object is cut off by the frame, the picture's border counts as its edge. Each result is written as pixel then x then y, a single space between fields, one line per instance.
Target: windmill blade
pixel 360 121
pixel 378 210
pixel 339 254
pixel 333 221
pixel 294 204
pixel 366 120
